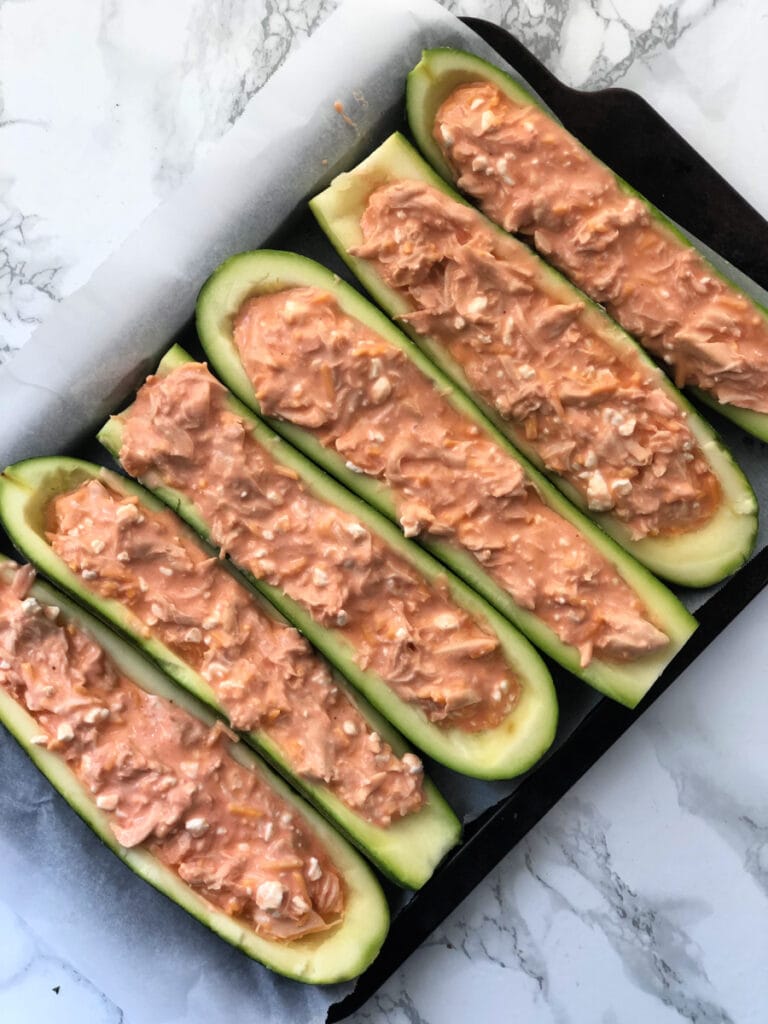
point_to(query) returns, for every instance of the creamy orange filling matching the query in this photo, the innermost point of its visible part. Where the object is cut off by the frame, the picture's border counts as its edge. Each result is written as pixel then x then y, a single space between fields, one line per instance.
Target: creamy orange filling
pixel 386 418
pixel 164 780
pixel 532 177
pixel 595 416
pixel 182 432
pixel 262 671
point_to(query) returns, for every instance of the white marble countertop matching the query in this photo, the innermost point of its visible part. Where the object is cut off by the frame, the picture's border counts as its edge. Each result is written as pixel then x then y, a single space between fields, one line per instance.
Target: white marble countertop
pixel 643 895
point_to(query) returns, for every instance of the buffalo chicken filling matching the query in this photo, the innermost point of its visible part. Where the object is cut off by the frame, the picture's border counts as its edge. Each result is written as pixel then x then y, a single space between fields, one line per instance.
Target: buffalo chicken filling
pixel 314 366
pixel 183 432
pixel 164 780
pixel 595 415
pixel 263 673
pixel 532 177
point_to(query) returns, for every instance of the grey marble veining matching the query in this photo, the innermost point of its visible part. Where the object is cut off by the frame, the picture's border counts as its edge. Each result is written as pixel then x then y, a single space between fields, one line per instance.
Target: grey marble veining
pixel 27 276
pixel 642 896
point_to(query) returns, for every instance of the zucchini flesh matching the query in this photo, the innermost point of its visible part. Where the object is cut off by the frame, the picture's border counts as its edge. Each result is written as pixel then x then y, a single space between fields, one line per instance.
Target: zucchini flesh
pixel 336 955
pixel 432 81
pixel 695 559
pixel 511 747
pixel 407 851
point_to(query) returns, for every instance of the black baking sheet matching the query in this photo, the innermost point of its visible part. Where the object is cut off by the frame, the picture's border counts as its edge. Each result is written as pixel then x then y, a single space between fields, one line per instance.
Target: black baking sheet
pixel 625 132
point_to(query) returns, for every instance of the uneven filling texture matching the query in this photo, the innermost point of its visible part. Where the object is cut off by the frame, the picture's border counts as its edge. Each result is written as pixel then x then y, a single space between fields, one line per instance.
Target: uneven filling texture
pixel 263 673
pixel 532 177
pixel 164 779
pixel 315 366
pixel 181 431
pixel 594 415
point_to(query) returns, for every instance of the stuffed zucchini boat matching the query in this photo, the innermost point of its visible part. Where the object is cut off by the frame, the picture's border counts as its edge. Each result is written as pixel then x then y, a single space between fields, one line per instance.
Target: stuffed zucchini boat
pixel 110 544
pixel 618 645
pixel 483 131
pixel 156 778
pixel 392 427
pixel 565 385
pixel 428 653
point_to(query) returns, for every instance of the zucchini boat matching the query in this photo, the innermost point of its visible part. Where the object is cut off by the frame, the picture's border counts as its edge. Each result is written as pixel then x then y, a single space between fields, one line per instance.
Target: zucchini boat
pixel 626 683
pixel 699 314
pixel 516 739
pixel 698 557
pixel 340 952
pixel 408 848
pixel 313 326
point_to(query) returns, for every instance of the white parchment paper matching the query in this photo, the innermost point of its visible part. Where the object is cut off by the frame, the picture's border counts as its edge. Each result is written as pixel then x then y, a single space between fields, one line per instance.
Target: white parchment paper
pixel 93 921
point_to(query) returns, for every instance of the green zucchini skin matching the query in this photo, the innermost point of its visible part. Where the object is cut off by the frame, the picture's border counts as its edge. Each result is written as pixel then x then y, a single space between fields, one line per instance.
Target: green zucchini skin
pixel 435 77
pixel 407 852
pixel 503 752
pixel 696 559
pixel 342 954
